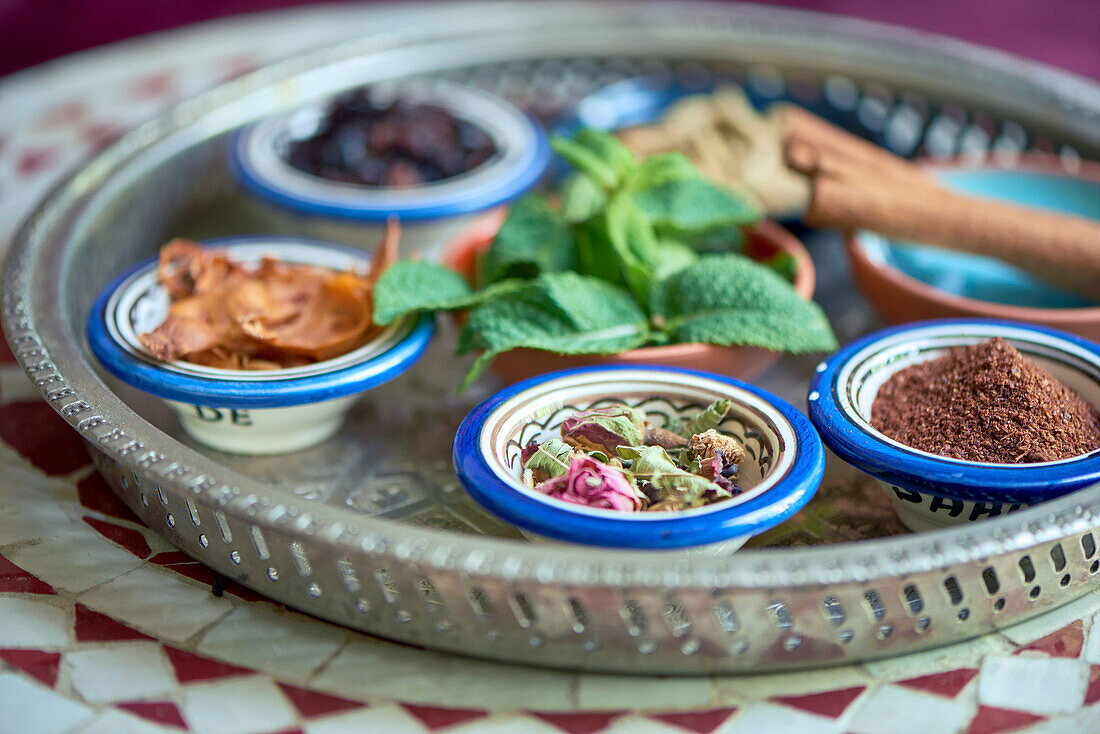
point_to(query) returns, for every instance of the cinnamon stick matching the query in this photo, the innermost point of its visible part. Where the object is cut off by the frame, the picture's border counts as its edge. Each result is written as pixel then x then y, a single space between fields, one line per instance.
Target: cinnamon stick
pixel 1060 248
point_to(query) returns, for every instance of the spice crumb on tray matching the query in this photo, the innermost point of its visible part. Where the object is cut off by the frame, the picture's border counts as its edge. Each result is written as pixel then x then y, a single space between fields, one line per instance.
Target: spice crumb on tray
pixel 988 403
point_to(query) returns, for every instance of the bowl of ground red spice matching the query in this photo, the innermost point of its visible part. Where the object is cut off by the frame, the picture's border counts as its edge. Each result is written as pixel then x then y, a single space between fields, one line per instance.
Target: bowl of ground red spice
pixel 963 420
pixel 431 152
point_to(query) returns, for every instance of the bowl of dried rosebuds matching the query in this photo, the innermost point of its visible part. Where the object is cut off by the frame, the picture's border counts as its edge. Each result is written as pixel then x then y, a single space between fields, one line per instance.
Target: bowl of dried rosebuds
pixel 639 457
pixel 961 420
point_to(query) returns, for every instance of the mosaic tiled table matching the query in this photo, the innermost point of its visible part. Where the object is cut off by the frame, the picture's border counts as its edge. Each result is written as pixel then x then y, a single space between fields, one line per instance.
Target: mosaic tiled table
pixel 104 627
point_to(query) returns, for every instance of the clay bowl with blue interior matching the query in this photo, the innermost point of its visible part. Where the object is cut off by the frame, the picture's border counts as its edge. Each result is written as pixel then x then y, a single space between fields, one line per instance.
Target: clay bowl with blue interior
pixel 249 411
pixel 783 467
pixel 911 282
pixel 295 201
pixel 931 491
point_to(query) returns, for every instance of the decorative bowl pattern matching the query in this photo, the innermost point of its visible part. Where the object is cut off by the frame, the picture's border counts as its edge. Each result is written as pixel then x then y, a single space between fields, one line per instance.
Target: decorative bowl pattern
pixel 784 467
pixel 248 411
pixel 431 213
pixel 928 490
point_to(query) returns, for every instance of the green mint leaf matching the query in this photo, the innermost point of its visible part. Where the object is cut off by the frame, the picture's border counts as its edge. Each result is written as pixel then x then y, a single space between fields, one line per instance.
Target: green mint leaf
pixel 730 299
pixel 534 239
pixel 782 263
pixel 671 256
pixel 694 206
pixel 660 169
pixel 595 254
pixel 710 417
pixel 635 245
pixel 586 161
pixel 565 313
pixel 415 285
pixel 608 149
pixel 581 198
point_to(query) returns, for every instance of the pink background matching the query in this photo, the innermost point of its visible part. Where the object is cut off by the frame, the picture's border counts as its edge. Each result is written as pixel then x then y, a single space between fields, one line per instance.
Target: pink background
pixel 1064 33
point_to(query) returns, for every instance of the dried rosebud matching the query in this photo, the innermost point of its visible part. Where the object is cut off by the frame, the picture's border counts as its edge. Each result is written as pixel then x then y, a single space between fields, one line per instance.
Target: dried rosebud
pixel 593 484
pixel 704 448
pixel 604 429
pixel 664 438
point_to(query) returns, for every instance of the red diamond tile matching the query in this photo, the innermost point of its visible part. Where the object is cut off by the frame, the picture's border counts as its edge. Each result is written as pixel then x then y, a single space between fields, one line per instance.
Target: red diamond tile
pixel 161 84
pixel 38 433
pixel 829 703
pixel 41 665
pixel 91 626
pixel 991 720
pixel 33 161
pixel 1065 643
pixel 16 580
pixel 438 718
pixel 130 539
pixel 1092 693
pixel 942 684
pixel 190 667
pixel 99 135
pixel 64 114
pixel 314 703
pixel 94 493
pixel 700 722
pixel 586 722
pixel 162 712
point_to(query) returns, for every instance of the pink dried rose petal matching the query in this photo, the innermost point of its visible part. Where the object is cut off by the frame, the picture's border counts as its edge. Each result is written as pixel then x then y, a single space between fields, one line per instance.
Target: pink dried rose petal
pixel 593 484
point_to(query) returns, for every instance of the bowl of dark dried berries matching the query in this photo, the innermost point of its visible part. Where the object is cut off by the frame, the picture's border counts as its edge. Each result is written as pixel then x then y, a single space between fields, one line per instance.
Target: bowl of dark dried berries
pixel 639 457
pixel 430 152
pixel 963 420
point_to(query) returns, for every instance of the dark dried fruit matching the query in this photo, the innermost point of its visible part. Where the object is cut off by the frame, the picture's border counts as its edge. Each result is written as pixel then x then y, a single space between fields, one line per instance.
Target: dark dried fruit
pixel 396 143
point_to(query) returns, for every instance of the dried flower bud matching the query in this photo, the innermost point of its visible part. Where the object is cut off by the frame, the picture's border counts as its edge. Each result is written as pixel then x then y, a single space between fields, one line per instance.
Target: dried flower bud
pixel 713 452
pixel 604 429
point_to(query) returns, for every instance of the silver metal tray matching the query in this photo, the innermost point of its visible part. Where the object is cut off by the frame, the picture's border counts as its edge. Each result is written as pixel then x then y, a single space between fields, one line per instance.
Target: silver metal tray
pixel 372 531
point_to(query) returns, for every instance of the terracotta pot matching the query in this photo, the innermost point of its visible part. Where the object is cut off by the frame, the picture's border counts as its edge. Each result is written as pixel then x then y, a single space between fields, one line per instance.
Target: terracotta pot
pixel 900 298
pixel 744 363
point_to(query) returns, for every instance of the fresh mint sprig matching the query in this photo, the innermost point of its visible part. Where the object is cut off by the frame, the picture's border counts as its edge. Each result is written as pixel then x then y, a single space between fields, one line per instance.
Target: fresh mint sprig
pixel 612 262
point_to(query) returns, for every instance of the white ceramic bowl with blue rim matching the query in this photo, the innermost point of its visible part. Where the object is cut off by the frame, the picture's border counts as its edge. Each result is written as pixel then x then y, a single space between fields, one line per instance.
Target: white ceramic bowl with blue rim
pixel 431 214
pixel 248 411
pixel 783 467
pixel 931 491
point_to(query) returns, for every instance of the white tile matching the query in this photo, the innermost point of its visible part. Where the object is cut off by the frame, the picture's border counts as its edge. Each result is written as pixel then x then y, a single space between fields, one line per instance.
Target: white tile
pixel 893 709
pixel 130 671
pixel 632 724
pixel 158 602
pixel 262 638
pixel 1038 685
pixel 29 510
pixel 440 679
pixel 387 718
pixel 653 694
pixel 113 721
pixel 237 706
pixel 1092 642
pixel 29 707
pixel 75 561
pixel 33 624
pixel 770 717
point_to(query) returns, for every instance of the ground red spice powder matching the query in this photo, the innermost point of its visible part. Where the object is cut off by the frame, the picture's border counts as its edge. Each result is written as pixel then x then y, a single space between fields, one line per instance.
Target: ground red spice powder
pixel 986 402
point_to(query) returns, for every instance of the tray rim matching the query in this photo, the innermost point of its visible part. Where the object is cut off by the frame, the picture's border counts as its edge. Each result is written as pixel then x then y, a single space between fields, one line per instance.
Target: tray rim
pixel 176 468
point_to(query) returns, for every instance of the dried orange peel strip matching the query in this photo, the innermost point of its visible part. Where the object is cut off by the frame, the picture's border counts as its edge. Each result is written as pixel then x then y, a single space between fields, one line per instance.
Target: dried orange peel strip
pixel 276 315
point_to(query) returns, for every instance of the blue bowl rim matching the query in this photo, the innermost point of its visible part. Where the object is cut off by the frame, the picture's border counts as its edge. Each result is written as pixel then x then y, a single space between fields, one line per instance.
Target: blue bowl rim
pixel 510 184
pixel 557 520
pixel 226 393
pixel 937 475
